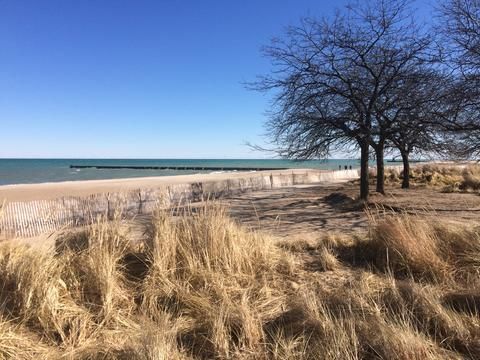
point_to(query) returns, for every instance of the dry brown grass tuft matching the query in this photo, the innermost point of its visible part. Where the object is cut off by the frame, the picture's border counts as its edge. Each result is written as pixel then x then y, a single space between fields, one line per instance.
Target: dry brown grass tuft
pixel 221 279
pixel 471 178
pixel 34 292
pixel 200 286
pixel 17 343
pixel 444 177
pixel 410 247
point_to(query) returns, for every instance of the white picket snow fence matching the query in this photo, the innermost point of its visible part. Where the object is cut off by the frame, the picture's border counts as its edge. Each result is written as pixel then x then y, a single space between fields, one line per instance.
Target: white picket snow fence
pixel 32 218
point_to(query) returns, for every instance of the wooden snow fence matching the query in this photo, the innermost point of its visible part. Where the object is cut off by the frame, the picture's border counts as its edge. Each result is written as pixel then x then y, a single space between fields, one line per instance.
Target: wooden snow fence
pixel 32 218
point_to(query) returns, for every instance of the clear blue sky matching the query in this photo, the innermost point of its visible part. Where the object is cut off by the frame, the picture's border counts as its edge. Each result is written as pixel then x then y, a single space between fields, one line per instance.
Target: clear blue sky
pixel 137 79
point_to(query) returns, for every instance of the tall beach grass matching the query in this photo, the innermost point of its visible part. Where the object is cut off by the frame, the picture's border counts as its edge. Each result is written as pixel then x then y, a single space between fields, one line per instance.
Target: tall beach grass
pixel 200 286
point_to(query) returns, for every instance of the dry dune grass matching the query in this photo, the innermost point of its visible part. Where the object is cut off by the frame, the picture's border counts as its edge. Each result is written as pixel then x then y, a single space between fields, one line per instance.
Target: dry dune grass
pixel 447 178
pixel 200 287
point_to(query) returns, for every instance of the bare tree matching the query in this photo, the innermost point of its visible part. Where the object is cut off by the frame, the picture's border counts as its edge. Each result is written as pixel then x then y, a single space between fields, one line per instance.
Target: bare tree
pixel 461 29
pixel 332 78
pixel 461 25
pixel 462 120
pixel 416 115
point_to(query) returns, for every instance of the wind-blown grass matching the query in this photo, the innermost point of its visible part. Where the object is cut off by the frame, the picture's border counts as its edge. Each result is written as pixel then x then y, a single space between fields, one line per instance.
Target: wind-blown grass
pixel 199 286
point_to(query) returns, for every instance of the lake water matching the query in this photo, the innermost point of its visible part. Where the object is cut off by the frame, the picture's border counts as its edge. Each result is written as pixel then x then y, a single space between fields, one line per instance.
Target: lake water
pixel 28 171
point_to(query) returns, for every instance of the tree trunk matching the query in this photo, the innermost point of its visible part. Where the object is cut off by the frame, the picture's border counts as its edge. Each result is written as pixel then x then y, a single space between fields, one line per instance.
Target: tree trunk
pixel 364 147
pixel 406 170
pixel 379 151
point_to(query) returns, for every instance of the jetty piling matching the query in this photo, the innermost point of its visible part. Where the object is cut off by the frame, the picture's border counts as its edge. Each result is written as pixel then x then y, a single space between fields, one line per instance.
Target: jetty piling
pixel 194 168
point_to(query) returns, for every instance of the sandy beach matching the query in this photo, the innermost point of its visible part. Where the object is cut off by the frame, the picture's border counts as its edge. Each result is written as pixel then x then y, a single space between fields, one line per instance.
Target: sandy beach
pixel 53 190
pixel 32 209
